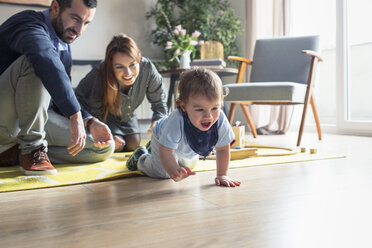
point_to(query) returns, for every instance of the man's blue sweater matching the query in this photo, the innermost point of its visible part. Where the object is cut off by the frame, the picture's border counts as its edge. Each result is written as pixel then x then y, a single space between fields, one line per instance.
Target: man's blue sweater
pixel 27 33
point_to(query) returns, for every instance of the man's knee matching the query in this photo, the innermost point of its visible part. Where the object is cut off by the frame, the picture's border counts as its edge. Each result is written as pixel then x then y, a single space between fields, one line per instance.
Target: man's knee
pixel 22 67
pixel 29 86
pixel 108 150
pixel 101 154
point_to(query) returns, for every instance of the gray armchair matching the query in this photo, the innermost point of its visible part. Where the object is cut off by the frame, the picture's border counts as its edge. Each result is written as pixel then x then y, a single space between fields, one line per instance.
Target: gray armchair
pixel 282 73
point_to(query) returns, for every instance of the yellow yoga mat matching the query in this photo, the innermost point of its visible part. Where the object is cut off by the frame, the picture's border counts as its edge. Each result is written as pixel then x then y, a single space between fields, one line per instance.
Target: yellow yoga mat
pixel 11 178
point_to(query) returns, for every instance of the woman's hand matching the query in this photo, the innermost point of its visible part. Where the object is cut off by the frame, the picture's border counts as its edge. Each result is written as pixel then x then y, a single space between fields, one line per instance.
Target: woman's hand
pixel 226 181
pixel 149 131
pixel 119 143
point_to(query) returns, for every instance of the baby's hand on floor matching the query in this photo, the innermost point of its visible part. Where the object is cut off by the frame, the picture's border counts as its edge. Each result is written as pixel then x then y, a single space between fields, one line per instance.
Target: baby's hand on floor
pixel 182 173
pixel 226 181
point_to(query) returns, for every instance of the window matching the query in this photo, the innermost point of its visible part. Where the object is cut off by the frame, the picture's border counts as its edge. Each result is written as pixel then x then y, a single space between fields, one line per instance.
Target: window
pixel 359 48
pixel 319 17
pixel 343 85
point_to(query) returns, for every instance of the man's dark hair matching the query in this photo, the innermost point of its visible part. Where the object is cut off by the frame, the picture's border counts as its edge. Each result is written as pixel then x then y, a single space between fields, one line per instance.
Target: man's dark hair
pixel 64 4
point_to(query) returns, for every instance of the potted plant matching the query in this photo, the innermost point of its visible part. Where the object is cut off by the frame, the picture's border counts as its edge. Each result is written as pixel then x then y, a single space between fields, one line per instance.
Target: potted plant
pixel 214 19
pixel 183 46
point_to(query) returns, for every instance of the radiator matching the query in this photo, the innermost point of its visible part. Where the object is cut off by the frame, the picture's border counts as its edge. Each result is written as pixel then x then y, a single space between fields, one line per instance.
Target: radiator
pixel 144 110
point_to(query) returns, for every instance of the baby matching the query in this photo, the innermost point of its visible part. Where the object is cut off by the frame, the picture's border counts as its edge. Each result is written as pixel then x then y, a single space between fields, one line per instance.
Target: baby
pixel 195 128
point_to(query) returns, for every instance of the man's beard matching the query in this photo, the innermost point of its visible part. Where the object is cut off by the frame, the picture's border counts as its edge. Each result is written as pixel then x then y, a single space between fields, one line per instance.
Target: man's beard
pixel 60 31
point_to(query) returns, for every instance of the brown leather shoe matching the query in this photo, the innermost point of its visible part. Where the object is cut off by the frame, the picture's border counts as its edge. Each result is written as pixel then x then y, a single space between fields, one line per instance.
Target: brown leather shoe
pixel 37 163
pixel 10 156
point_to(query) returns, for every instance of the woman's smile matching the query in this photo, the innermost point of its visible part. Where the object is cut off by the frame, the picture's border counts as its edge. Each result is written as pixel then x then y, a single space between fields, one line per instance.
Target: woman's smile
pixel 128 78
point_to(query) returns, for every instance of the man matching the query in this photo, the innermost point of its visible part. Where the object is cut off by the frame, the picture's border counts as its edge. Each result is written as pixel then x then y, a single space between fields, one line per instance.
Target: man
pixel 35 65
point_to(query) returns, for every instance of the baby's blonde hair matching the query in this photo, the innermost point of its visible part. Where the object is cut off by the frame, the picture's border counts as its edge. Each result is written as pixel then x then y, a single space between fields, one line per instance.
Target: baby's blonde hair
pixel 199 81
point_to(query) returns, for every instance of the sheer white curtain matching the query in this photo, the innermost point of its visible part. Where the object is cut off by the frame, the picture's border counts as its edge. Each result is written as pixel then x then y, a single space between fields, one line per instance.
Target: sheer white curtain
pixel 265 19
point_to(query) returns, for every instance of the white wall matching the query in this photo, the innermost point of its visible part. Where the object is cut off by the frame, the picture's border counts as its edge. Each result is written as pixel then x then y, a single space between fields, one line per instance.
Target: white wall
pixel 239 8
pixel 115 16
pixel 112 17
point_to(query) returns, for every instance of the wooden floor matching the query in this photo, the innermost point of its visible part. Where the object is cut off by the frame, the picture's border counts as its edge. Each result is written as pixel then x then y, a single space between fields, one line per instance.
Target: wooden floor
pixel 316 204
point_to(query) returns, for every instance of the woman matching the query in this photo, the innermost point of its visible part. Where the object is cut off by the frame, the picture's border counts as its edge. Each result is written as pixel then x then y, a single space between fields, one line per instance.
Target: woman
pixel 113 90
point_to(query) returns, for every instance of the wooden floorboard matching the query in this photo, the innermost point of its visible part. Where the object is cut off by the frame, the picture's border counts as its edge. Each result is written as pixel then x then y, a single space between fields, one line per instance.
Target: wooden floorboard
pixel 326 203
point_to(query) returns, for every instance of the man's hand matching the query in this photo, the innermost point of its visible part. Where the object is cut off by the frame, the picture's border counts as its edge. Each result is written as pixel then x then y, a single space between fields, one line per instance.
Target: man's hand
pixel 182 173
pixel 226 181
pixel 78 134
pixel 101 133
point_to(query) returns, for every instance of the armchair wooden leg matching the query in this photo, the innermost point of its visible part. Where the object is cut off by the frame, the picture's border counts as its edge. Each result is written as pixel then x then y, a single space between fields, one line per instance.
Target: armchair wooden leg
pixel 316 118
pixel 303 118
pixel 231 112
pixel 249 120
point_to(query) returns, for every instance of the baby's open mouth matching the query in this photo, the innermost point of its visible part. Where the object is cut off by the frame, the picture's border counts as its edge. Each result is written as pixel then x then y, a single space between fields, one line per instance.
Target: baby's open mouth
pixel 205 124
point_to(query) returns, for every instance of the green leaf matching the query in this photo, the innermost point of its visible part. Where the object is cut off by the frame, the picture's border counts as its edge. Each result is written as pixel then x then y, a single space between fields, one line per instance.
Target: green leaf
pixel 213 18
